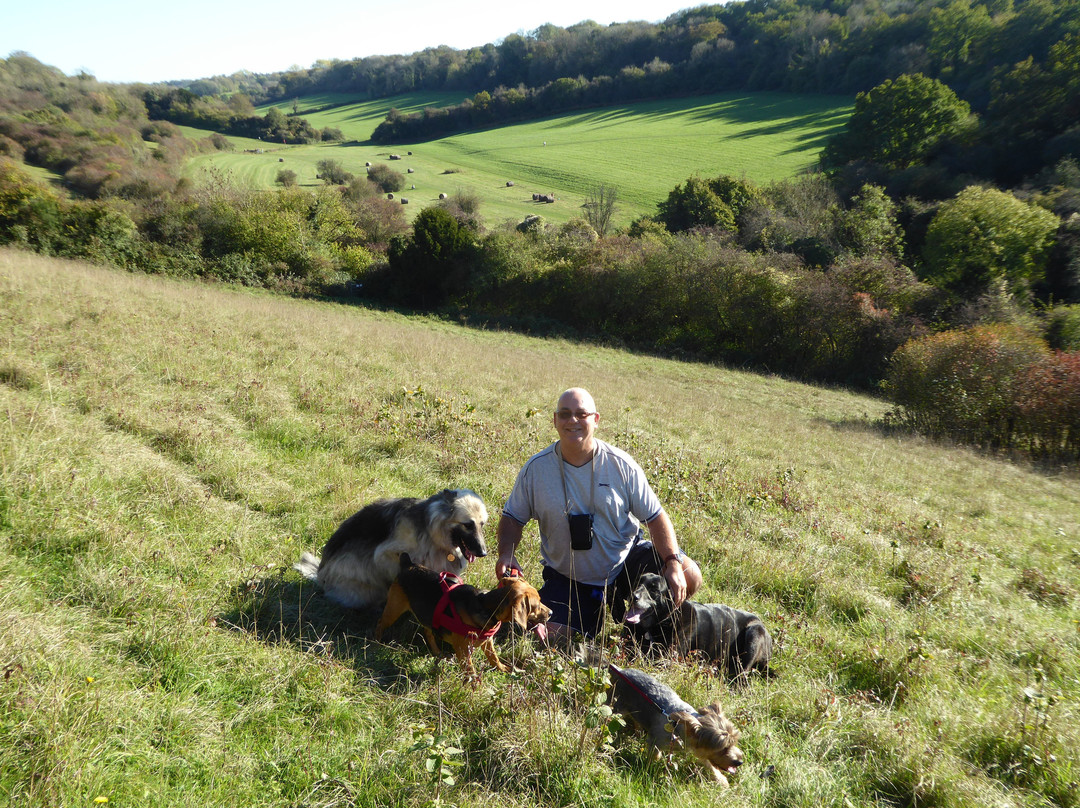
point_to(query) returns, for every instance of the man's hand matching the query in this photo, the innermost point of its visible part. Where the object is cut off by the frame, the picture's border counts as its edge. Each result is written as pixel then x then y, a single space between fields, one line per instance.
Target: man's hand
pixel 503 567
pixel 676 579
pixel 509 533
pixel 662 533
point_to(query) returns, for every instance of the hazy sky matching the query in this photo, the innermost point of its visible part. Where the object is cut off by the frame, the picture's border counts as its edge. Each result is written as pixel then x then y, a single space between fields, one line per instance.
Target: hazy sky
pixel 150 40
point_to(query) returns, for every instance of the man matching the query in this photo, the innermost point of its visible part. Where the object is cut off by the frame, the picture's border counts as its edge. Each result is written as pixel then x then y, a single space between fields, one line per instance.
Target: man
pixel 589 499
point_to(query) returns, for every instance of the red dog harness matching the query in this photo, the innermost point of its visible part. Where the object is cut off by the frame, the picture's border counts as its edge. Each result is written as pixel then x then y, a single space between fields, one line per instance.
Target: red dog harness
pixel 446 616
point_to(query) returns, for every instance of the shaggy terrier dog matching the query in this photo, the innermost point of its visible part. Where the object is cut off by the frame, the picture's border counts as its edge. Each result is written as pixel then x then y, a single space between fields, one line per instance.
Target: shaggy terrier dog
pixel 671 724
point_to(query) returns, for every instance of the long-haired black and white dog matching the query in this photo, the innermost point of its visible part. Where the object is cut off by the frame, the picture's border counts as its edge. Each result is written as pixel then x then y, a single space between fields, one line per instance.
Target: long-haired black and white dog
pixel 359 562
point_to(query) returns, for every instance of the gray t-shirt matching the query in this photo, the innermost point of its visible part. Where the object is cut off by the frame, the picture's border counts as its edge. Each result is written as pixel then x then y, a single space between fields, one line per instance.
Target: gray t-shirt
pixel 620 500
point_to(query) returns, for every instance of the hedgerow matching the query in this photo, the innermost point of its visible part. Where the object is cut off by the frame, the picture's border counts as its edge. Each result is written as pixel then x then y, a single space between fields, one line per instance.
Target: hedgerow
pixel 997 386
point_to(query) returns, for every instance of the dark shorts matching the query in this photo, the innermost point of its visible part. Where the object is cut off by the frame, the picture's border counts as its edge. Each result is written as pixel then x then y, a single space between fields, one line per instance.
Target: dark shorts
pixel 581 606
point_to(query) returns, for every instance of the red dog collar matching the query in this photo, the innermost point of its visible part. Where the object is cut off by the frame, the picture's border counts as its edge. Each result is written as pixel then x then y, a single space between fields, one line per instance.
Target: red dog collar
pixel 446 616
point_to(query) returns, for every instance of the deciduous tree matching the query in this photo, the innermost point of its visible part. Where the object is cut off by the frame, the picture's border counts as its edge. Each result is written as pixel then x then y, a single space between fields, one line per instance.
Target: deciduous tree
pixel 600 207
pixel 694 204
pixel 900 124
pixel 985 236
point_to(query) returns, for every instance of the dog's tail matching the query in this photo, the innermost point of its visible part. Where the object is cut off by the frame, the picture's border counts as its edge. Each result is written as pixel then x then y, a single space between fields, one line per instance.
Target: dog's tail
pixel 308 566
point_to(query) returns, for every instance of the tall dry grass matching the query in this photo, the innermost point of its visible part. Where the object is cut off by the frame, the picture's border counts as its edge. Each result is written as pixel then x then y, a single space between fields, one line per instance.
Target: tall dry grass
pixel 167 450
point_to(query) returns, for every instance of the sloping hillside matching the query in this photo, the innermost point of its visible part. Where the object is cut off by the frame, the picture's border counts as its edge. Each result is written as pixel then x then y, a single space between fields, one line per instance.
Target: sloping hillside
pixel 168 449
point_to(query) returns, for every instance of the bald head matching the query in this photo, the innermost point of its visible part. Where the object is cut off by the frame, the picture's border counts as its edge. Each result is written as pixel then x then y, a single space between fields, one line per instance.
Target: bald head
pixel 576 398
pixel 575 420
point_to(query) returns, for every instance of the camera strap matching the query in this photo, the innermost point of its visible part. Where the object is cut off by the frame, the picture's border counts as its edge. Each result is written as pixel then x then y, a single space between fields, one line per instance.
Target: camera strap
pixel 592 479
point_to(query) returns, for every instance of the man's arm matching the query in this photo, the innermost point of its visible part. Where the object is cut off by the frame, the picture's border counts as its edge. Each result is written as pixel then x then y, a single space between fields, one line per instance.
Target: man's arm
pixel 509 534
pixel 684 578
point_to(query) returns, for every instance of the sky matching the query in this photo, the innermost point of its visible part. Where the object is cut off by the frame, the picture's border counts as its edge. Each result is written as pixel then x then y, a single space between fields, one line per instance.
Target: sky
pixel 150 41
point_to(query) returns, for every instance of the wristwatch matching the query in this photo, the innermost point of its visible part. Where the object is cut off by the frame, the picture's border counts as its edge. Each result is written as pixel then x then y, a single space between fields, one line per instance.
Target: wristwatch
pixel 676 556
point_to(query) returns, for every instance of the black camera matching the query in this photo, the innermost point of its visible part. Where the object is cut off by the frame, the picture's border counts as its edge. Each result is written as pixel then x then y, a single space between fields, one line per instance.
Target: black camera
pixel 581 532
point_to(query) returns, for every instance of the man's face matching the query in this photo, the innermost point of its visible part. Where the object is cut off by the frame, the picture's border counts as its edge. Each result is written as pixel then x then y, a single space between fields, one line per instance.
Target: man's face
pixel 575 420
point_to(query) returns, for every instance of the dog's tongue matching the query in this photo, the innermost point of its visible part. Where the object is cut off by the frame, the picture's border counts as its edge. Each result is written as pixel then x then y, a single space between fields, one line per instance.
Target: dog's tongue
pixel 541 632
pixel 633 616
pixel 470 557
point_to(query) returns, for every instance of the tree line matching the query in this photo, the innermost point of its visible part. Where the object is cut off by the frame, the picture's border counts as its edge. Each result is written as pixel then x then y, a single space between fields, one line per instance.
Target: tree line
pixel 915 226
pixel 232 115
pixel 1013 61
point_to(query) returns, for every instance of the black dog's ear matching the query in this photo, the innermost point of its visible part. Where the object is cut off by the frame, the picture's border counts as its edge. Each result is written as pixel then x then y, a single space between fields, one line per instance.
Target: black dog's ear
pixel 655 585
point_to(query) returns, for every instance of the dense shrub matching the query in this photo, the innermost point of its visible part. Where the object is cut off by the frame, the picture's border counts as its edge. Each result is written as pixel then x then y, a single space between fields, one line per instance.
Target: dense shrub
pixel 806 216
pixel 291 237
pixel 995 386
pixel 1063 328
pixel 695 204
pixel 101 234
pixel 34 217
pixel 797 216
pixel 1048 406
pixel 432 266
pixel 386 178
pixel 690 295
pixel 333 173
pixel 465 207
pixel 985 236
pixel 30 215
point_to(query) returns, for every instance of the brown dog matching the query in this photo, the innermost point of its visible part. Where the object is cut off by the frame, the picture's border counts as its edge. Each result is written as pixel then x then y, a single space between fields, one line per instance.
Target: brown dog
pixel 460 614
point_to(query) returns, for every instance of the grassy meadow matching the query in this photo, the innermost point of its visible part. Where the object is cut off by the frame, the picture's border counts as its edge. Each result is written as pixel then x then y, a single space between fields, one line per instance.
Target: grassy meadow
pixel 168 449
pixel 643 150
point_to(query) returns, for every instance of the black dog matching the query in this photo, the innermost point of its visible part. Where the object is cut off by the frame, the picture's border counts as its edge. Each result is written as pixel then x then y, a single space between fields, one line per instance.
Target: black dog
pixel 736 639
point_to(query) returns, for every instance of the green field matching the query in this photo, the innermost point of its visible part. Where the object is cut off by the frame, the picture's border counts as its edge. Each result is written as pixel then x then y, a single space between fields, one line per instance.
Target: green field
pixel 643 150
pixel 168 449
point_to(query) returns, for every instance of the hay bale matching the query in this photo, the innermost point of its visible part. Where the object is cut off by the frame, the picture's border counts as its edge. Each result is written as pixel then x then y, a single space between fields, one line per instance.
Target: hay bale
pixel 404 201
pixel 442 196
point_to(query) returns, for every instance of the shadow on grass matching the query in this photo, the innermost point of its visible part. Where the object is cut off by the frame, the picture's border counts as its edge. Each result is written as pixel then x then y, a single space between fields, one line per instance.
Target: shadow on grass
pixel 283 609
pixel 862 425
pixel 1049 465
